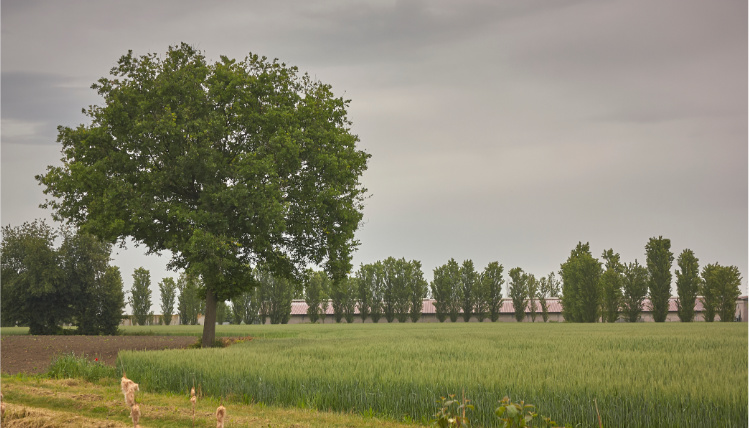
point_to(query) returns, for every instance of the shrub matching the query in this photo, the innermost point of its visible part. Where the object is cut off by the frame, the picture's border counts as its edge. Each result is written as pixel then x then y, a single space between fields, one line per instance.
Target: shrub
pixel 71 366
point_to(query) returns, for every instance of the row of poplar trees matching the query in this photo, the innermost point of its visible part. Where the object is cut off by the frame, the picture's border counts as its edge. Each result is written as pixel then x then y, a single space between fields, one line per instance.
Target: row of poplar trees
pixel 271 299
pixel 594 290
pixel 394 289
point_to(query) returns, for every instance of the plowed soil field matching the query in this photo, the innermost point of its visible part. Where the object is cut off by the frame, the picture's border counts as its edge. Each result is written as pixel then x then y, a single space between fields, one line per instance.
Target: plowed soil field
pixel 33 354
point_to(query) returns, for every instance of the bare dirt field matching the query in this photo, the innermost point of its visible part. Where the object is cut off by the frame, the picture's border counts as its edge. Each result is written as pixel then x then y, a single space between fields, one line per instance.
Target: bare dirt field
pixel 33 354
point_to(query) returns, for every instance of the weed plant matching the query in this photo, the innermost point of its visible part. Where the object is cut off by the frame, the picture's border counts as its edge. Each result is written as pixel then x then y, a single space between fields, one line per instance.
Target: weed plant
pixel 71 366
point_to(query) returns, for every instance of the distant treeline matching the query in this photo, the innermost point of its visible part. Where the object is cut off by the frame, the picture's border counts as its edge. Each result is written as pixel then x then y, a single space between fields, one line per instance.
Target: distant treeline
pixel 45 287
pixel 590 290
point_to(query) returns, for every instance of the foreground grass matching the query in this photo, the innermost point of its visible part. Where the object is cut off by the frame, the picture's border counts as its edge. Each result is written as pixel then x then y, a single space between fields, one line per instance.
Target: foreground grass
pixel 640 375
pixel 42 402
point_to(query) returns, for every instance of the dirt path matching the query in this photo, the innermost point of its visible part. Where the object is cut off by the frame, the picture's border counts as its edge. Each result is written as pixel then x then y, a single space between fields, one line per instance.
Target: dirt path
pixel 33 354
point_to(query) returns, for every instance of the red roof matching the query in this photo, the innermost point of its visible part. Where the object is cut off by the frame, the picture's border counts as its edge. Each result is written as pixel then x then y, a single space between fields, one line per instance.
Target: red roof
pixel 554 305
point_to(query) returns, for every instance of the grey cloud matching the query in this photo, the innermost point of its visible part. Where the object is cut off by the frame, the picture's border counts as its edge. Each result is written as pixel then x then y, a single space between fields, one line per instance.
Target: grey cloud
pixel 44 98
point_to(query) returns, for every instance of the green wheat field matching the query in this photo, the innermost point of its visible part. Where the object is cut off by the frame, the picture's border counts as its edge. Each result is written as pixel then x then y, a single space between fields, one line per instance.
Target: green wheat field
pixel 638 375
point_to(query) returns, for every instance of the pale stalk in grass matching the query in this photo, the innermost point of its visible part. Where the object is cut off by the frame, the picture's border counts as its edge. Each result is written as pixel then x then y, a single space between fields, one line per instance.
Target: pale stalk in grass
pixel 193 400
pixel 220 415
pixel 135 415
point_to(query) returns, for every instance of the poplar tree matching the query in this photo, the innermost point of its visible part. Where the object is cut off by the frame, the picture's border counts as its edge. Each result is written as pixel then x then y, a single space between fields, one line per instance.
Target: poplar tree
pixel 659 260
pixel 417 289
pixel 315 294
pixel 518 292
pixel 468 287
pixel 276 294
pixel 350 286
pixel 441 291
pixel 548 287
pixel 395 289
pixel 140 296
pixel 491 284
pixel 581 292
pixel 189 304
pixel 365 278
pixel 246 307
pixel 532 286
pixel 338 297
pixel 687 284
pixel 720 291
pixel 444 291
pixel 611 286
pixel 377 287
pixel 110 302
pixel 168 293
pixel 222 312
pixel 634 290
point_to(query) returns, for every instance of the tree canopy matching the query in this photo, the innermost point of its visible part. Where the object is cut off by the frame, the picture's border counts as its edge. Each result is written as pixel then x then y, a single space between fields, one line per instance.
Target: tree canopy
pixel 687 284
pixel 659 259
pixel 44 287
pixel 228 165
pixel 581 292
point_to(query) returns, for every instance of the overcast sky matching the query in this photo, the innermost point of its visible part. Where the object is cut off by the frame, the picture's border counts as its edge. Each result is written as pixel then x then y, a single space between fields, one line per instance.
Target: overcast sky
pixel 499 131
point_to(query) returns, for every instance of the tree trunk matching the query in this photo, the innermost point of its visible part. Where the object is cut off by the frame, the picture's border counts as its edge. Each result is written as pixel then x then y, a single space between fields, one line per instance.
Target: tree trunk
pixel 209 322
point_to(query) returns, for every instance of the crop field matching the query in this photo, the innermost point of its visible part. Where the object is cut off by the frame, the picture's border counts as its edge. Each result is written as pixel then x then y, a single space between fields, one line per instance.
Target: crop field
pixel 638 375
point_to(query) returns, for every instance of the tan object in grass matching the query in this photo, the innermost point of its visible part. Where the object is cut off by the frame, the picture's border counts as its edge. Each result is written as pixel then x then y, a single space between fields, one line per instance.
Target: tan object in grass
pixel 220 415
pixel 128 388
pixel 130 398
pixel 193 400
pixel 135 414
pixel 2 405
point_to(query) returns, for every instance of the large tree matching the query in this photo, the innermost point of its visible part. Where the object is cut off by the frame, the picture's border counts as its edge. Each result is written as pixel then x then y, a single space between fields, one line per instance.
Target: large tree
pixel 33 290
pixel 229 166
pixel 659 260
pixel 687 284
pixel 97 289
pixel 44 287
pixel 634 290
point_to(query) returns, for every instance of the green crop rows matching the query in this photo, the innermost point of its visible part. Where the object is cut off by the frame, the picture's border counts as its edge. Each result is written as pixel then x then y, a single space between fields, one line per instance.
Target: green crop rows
pixel 641 375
